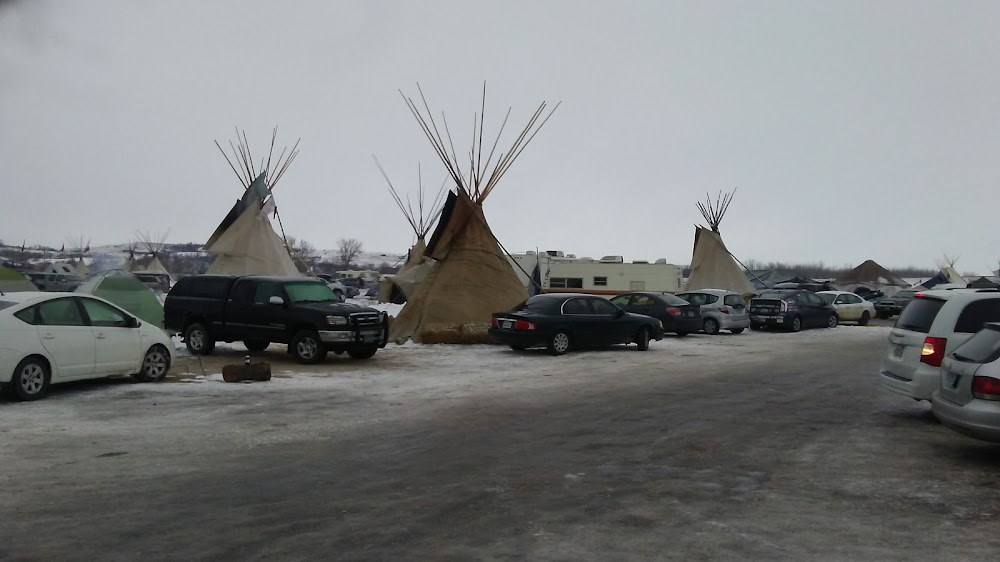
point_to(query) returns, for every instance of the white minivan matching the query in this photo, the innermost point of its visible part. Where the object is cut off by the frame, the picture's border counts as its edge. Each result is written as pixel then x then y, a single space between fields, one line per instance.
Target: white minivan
pixel 931 326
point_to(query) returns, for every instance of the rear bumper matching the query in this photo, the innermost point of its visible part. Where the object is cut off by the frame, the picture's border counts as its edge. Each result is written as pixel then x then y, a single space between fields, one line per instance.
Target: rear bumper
pixel 769 320
pixel 522 339
pixel 925 381
pixel 979 419
pixel 684 325
pixel 729 322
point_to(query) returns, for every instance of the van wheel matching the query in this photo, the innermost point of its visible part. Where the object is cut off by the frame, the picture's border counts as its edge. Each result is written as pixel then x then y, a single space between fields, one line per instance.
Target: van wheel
pixel 256 345
pixel 198 340
pixel 865 317
pixel 30 380
pixel 642 339
pixel 155 365
pixel 559 343
pixel 711 326
pixel 307 348
pixel 796 324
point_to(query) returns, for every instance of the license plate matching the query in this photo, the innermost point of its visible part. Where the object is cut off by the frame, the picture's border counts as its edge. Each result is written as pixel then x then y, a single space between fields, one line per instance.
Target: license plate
pixel 690 313
pixel 507 324
pixel 898 352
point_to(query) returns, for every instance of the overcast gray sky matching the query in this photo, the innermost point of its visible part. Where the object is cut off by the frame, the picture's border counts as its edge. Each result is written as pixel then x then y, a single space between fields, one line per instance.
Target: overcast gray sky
pixel 852 129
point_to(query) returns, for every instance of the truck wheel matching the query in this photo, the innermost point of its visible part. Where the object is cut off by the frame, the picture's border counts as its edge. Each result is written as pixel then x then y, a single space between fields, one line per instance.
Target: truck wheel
pixel 865 317
pixel 198 340
pixel 256 345
pixel 363 353
pixel 307 348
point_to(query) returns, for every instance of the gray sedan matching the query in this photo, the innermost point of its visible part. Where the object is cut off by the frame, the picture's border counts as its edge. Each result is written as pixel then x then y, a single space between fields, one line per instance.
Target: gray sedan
pixel 968 399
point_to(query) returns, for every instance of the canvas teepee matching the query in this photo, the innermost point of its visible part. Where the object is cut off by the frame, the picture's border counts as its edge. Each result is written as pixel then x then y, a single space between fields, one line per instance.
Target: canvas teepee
pixel 471 277
pixel 396 289
pixel 131 264
pixel 946 275
pixel 245 243
pixel 78 248
pixel 154 246
pixel 712 265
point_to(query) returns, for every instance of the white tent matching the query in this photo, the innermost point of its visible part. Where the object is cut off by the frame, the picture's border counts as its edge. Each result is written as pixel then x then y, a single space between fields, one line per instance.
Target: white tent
pixel 712 265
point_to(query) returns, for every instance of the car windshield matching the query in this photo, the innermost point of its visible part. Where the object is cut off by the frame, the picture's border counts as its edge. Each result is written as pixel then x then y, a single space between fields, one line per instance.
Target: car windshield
pixel 984 347
pixel 74 278
pixel 906 294
pixel 773 295
pixel 828 298
pixel 697 299
pixel 674 300
pixel 534 304
pixel 310 292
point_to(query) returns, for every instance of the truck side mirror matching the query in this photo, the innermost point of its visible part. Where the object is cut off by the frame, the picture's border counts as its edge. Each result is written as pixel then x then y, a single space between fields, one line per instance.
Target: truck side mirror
pixel 276 301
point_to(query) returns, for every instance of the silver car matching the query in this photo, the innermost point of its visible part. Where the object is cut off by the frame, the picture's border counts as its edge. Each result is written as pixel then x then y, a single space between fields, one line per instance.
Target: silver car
pixel 968 399
pixel 720 310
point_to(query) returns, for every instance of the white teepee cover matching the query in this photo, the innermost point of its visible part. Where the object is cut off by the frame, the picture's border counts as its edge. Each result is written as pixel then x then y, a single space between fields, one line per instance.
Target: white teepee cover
pixel 952 275
pixel 713 267
pixel 155 266
pixel 251 247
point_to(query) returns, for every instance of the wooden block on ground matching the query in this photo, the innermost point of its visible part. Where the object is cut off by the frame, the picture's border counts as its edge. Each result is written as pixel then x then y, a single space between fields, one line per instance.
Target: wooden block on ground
pixel 252 372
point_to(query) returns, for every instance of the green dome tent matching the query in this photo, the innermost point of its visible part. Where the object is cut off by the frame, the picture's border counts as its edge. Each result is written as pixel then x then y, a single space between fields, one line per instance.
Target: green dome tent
pixel 13 282
pixel 125 290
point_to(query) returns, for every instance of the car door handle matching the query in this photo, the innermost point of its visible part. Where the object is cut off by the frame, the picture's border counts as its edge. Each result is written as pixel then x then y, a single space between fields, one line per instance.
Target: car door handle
pixel 99 336
pixel 48 337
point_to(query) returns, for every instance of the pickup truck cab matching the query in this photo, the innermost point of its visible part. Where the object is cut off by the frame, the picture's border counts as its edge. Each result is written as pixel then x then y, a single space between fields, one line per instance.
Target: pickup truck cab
pixel 299 311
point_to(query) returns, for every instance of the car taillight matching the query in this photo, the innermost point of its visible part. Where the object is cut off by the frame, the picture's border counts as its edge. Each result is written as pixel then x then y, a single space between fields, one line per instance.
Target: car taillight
pixel 986 388
pixel 933 351
pixel 495 323
pixel 724 310
pixel 673 311
pixel 787 305
pixel 524 325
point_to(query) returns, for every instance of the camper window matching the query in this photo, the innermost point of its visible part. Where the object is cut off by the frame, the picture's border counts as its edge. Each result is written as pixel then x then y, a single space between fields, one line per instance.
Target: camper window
pixel 566 283
pixel 600 281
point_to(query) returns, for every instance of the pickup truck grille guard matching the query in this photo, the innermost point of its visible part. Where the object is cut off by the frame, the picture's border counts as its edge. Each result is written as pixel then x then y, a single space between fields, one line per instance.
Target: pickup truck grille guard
pixel 369 320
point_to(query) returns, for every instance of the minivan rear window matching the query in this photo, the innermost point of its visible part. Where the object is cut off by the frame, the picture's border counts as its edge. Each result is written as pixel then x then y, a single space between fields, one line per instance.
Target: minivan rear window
pixel 919 315
pixel 984 347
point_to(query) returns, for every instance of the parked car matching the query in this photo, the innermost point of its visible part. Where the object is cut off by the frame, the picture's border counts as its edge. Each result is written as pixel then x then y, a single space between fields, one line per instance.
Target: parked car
pixel 341 285
pixel 968 397
pixel 870 295
pixel 301 312
pixel 814 287
pixel 891 306
pixel 792 310
pixel 720 310
pixel 564 321
pixel 51 338
pixel 62 282
pixel 849 306
pixel 339 289
pixel 931 327
pixel 155 281
pixel 676 314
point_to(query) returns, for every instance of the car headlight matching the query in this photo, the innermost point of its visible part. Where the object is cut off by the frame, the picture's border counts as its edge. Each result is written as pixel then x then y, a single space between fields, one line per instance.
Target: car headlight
pixel 336 320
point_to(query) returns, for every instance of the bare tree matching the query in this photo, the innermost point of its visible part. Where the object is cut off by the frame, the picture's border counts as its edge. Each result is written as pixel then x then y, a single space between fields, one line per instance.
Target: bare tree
pixel 347 250
pixel 300 248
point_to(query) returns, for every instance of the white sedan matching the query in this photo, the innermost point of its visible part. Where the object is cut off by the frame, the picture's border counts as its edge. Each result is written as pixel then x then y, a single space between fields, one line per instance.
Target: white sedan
pixel 850 307
pixel 49 338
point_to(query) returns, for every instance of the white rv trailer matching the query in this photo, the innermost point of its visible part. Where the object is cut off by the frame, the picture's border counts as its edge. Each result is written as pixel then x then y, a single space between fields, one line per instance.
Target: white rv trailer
pixel 610 275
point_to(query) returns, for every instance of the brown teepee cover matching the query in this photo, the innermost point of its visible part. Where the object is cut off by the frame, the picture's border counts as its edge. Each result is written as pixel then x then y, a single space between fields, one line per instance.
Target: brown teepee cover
pixel 470 277
pixel 870 272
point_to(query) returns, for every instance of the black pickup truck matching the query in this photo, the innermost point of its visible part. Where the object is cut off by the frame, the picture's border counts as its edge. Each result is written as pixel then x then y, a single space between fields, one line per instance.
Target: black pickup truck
pixel 301 312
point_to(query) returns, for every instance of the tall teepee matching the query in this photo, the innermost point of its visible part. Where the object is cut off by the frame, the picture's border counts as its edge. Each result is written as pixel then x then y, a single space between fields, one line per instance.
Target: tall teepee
pixel 245 243
pixel 421 219
pixel 78 248
pixel 712 265
pixel 471 277
pixel 154 246
pixel 131 264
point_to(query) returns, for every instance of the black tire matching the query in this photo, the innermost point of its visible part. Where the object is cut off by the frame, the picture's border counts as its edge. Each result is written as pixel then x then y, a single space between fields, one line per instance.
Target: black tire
pixel 198 340
pixel 362 353
pixel 256 346
pixel 754 326
pixel 682 334
pixel 560 342
pixel 307 348
pixel 884 315
pixel 711 326
pixel 155 365
pixel 796 324
pixel 517 347
pixel 832 321
pixel 737 330
pixel 30 379
pixel 865 317
pixel 642 339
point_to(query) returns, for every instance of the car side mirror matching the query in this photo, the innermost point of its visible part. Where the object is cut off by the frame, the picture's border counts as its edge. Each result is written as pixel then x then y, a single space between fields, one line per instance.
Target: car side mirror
pixel 132 322
pixel 621 313
pixel 276 301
